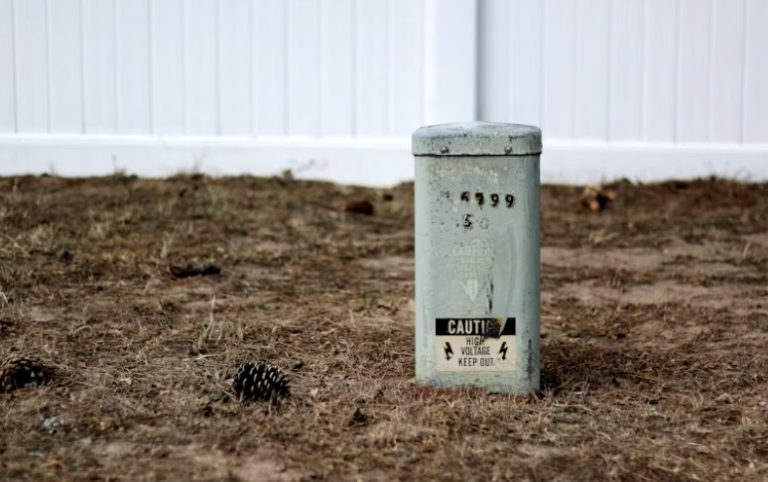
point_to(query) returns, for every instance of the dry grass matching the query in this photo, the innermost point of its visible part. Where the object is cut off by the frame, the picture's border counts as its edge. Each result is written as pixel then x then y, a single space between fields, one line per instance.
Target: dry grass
pixel 654 314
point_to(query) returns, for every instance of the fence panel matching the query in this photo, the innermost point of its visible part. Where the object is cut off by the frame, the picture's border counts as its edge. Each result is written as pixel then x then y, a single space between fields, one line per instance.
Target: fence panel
pixel 324 85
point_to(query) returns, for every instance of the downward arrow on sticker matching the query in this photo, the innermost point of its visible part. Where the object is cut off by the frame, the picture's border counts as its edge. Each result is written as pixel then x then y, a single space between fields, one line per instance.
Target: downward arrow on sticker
pixel 471 288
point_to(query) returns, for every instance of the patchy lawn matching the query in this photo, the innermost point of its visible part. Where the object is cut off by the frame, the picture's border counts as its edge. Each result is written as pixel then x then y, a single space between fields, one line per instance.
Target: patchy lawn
pixel 654 319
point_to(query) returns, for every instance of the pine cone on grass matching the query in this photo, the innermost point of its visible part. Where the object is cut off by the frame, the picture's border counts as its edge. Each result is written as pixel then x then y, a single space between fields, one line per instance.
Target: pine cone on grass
pixel 259 381
pixel 21 372
pixel 597 199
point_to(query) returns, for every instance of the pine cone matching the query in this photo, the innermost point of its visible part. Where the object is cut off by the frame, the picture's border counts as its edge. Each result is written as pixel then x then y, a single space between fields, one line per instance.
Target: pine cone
pixel 21 372
pixel 258 381
pixel 597 198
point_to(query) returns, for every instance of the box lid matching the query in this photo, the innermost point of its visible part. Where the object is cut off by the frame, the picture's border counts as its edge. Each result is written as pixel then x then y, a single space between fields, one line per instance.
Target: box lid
pixel 477 139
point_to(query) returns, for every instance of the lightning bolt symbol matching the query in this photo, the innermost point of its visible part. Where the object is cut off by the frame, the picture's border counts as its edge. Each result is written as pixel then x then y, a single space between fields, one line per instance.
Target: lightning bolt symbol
pixel 503 350
pixel 448 351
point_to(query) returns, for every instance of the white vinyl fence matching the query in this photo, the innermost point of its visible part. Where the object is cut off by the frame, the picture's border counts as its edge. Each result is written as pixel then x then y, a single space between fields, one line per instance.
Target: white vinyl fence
pixel 332 89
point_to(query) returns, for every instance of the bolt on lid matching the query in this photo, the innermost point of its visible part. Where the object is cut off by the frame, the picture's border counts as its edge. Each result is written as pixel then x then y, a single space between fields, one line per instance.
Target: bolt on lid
pixel 477 139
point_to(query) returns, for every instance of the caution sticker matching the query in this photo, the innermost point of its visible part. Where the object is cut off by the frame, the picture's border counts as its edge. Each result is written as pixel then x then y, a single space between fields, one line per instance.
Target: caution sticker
pixel 475 344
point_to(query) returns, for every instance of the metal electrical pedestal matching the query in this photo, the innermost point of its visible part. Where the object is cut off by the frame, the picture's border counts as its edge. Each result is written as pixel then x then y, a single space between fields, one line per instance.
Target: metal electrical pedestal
pixel 477 256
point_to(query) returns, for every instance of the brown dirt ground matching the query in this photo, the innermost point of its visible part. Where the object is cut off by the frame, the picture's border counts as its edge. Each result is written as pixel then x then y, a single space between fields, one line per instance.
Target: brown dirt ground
pixel 654 316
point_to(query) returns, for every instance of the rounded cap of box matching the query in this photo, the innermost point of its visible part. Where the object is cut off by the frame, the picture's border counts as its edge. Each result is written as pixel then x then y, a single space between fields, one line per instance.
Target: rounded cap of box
pixel 477 139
